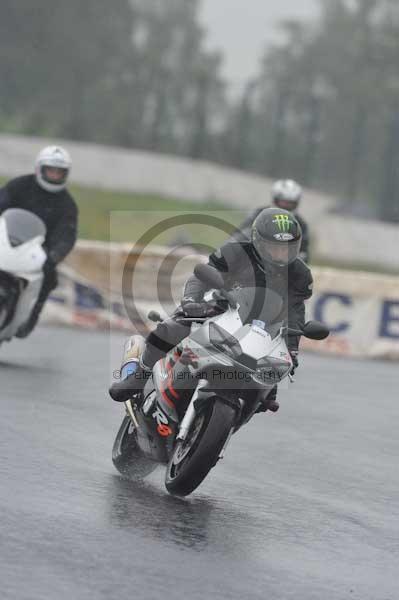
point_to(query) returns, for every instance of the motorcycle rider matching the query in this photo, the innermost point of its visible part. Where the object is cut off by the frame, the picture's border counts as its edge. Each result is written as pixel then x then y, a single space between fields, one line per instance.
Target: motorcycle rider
pixel 269 260
pixel 286 194
pixel 44 193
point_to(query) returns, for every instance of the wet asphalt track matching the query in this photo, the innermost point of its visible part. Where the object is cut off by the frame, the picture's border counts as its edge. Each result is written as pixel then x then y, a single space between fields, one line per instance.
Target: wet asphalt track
pixel 304 506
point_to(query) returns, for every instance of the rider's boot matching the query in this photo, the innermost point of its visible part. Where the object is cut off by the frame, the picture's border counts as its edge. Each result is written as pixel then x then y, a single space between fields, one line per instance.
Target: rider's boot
pixel 132 386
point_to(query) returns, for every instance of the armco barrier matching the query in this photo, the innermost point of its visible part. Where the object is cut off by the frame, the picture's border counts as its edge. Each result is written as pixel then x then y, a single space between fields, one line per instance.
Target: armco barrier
pixel 361 309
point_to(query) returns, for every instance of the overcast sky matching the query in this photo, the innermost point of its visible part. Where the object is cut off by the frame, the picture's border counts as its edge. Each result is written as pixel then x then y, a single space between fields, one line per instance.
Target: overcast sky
pixel 242 27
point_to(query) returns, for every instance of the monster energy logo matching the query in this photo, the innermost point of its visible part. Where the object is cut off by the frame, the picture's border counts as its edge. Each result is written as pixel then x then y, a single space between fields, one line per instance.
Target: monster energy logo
pixel 283 222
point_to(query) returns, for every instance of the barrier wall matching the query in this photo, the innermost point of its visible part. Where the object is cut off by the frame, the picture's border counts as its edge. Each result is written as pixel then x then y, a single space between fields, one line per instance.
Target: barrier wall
pixel 361 309
pixel 347 241
pixel 140 171
pixel 111 286
pixel 341 240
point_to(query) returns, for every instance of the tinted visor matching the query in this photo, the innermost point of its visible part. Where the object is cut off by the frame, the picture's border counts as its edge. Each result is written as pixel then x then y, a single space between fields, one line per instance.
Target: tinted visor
pixel 54 175
pixel 286 204
pixel 278 253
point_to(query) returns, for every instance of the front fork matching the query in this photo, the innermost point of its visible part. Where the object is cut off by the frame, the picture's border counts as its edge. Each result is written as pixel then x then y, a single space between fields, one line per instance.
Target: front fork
pixel 130 411
pixel 221 455
pixel 189 417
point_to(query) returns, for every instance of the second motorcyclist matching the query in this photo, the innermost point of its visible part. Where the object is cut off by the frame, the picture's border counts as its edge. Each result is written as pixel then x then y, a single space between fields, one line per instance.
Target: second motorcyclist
pixel 44 193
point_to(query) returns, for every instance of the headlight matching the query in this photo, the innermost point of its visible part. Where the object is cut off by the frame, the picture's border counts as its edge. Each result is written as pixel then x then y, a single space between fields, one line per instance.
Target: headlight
pixel 224 342
pixel 271 370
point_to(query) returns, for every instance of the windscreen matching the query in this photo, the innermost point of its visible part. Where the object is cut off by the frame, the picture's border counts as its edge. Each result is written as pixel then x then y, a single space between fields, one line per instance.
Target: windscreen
pixel 22 226
pixel 259 304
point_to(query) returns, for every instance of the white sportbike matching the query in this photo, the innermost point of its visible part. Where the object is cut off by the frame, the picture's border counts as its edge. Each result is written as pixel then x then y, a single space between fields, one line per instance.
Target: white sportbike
pixel 208 386
pixel 22 258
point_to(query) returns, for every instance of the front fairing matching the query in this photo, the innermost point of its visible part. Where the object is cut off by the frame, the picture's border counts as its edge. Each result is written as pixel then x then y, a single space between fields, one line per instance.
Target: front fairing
pixel 256 343
pixel 174 382
pixel 24 261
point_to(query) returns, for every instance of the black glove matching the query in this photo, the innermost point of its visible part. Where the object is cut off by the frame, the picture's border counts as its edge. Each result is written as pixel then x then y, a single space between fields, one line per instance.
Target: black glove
pixel 294 358
pixel 49 266
pixel 196 309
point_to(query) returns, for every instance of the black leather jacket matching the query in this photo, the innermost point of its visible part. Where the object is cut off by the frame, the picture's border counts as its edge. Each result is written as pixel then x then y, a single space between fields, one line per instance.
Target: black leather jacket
pixel 240 265
pixel 57 210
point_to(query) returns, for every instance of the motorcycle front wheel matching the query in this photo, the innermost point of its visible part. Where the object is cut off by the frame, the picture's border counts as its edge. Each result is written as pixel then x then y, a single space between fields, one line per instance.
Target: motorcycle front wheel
pixel 194 457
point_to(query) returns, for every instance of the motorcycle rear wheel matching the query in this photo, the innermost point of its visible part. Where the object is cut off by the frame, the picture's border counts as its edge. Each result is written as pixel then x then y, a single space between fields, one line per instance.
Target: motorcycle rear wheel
pixel 194 457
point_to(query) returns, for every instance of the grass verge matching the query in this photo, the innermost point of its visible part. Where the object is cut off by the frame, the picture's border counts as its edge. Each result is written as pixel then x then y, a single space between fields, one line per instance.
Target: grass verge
pixel 124 217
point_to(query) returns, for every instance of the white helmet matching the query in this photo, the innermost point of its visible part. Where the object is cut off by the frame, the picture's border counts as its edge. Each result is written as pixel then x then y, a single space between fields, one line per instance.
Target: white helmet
pixel 56 157
pixel 286 194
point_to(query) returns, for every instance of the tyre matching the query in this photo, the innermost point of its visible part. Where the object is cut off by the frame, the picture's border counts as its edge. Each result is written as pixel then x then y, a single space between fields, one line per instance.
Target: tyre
pixel 195 456
pixel 126 454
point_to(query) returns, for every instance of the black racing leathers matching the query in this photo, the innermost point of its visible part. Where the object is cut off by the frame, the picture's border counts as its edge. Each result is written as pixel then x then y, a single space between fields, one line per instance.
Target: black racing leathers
pixel 59 213
pixel 240 265
pixel 243 233
pixel 57 210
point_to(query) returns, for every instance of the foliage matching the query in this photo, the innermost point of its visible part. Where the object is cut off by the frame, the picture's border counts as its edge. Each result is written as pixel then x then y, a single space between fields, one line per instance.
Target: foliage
pixel 135 74
pixel 323 108
pixel 327 101
pixel 108 215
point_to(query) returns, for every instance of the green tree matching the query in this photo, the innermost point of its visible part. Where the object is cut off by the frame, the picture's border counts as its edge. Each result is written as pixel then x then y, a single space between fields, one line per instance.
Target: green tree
pixel 60 66
pixel 179 87
pixel 330 101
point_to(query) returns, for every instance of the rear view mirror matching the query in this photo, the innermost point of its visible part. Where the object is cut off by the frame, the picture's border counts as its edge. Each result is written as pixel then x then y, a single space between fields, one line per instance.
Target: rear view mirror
pixel 314 330
pixel 209 275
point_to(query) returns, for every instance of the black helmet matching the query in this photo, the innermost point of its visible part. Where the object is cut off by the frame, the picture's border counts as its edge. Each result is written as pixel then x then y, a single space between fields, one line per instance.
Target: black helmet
pixel 276 236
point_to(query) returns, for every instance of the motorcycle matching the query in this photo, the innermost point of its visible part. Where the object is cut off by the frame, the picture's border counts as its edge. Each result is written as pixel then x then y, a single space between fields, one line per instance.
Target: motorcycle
pixel 22 257
pixel 207 387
